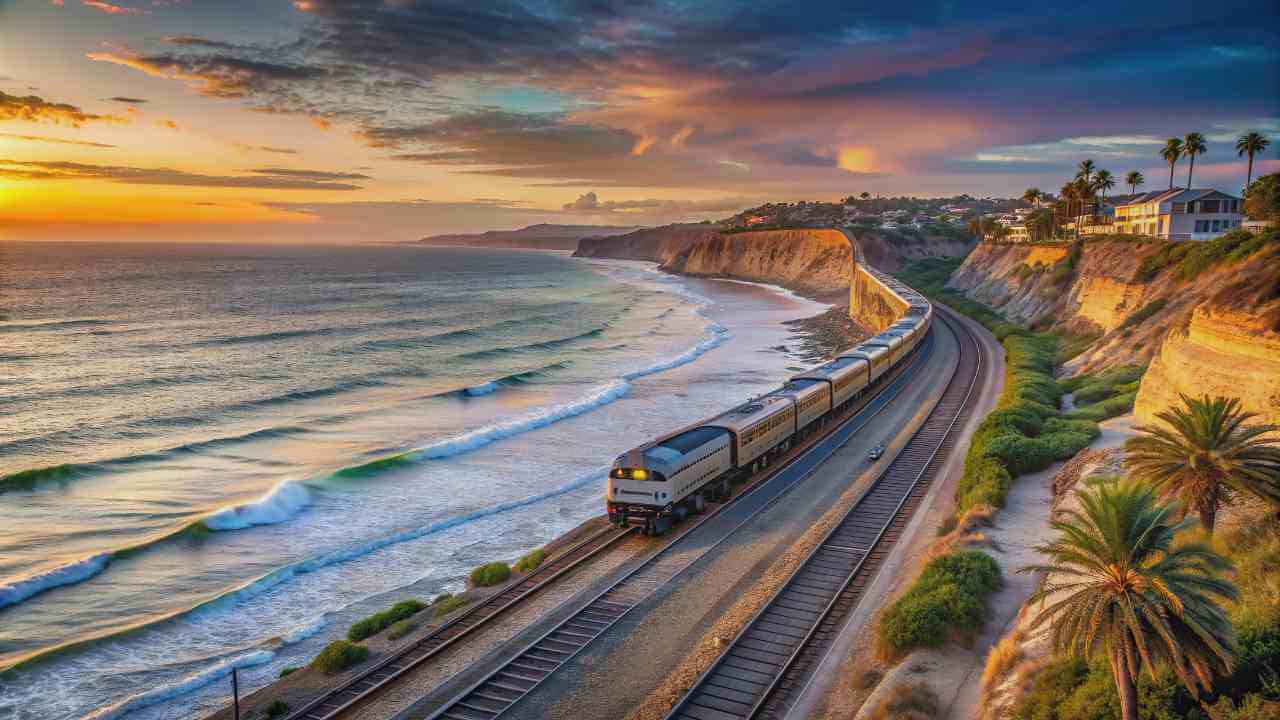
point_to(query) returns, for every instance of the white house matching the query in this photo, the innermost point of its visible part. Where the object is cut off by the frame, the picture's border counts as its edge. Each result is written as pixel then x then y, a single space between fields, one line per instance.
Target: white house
pixel 1198 214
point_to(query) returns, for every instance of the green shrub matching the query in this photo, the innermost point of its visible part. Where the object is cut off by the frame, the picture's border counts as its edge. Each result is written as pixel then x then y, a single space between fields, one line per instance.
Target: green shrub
pixel 375 624
pixel 1141 314
pixel 277 708
pixel 400 629
pixel 1063 445
pixel 448 605
pixel 1022 455
pixel 286 672
pixel 531 561
pixel 1053 683
pixel 1023 271
pixel 985 482
pixel 948 596
pixel 1021 418
pixel 339 655
pixel 490 574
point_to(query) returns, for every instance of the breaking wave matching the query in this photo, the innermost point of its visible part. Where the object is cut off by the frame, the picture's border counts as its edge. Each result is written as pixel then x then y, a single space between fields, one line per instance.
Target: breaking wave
pixel 180 687
pixel 282 502
pixel 69 574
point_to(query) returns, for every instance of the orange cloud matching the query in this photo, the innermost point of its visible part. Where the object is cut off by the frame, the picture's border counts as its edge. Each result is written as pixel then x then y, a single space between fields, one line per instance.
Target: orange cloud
pixel 322 124
pixel 856 159
pixel 36 109
pixel 167 123
pixel 110 9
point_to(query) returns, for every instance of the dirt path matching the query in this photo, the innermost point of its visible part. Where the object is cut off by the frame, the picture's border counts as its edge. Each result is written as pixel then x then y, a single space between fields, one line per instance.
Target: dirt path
pixel 954 673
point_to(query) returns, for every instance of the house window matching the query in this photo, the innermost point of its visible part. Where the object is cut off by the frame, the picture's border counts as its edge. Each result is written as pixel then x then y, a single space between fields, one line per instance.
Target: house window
pixel 1179 208
pixel 1209 206
pixel 1202 226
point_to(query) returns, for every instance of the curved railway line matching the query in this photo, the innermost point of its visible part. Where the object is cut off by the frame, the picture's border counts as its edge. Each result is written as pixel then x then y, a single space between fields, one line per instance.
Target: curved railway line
pixel 893 498
pixel 767 666
pixel 337 702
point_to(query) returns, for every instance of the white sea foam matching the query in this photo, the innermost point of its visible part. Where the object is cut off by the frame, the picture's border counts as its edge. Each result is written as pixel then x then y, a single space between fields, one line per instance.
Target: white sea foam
pixel 482 436
pixel 302 633
pixel 483 389
pixel 284 574
pixel 281 503
pixel 15 592
pixel 179 687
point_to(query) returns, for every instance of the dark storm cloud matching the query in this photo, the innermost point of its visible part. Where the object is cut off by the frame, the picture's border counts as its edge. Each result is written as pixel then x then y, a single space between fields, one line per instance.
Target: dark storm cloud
pixel 58 170
pixel 494 137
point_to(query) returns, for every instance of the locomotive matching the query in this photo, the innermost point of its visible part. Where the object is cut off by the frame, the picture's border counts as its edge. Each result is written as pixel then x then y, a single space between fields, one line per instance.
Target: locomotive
pixel 676 475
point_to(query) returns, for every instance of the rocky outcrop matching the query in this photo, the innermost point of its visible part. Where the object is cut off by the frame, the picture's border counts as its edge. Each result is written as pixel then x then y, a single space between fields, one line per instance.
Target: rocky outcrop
pixel 888 250
pixel 1218 333
pixel 873 305
pixel 813 261
pixel 1230 347
pixel 660 244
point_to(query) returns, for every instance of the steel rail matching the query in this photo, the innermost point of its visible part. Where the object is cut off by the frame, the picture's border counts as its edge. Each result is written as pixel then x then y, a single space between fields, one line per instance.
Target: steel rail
pixel 753 677
pixel 375 678
pixel 521 673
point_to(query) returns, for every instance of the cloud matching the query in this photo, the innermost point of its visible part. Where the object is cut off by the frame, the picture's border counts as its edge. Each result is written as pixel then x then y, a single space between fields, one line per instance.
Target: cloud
pixel 590 203
pixel 111 9
pixel 36 109
pixel 267 148
pixel 167 124
pixel 60 170
pixel 60 141
pixel 309 174
pixel 128 100
pixel 220 76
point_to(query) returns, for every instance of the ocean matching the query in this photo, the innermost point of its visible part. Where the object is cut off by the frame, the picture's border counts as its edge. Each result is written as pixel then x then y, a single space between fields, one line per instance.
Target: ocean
pixel 217 456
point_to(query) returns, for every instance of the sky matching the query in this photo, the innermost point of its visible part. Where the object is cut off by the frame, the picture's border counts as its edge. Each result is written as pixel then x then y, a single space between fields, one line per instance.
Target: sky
pixel 384 120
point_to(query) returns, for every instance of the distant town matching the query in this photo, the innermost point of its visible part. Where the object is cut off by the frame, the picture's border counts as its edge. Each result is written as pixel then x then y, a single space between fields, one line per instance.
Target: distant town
pixel 1083 206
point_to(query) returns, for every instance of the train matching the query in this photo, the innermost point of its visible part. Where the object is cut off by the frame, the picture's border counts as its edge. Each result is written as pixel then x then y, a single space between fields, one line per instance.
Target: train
pixel 669 478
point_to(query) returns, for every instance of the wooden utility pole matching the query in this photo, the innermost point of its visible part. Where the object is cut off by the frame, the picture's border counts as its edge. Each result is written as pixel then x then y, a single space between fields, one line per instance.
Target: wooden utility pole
pixel 235 692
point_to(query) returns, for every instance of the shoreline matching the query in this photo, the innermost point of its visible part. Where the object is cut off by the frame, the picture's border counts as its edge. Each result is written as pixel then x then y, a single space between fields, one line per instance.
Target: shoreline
pixel 821 336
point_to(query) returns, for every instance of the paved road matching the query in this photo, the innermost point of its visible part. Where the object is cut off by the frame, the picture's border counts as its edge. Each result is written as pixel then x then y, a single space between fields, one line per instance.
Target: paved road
pixel 622 667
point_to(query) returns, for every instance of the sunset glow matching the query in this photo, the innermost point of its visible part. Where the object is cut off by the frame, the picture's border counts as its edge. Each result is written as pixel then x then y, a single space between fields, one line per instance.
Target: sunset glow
pixel 167 114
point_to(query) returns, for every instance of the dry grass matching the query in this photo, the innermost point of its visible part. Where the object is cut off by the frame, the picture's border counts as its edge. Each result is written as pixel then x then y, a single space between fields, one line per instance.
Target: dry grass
pixel 913 701
pixel 1000 660
pixel 967 533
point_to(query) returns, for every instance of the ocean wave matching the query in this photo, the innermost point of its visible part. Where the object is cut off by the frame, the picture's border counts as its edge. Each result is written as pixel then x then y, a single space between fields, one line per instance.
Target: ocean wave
pixel 282 502
pixel 76 572
pixel 43 325
pixel 181 687
pixel 27 479
pixel 717 335
pixel 299 634
pixel 482 389
pixel 542 345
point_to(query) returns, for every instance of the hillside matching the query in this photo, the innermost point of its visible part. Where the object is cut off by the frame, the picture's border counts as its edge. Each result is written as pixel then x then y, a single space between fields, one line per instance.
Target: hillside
pixel 659 244
pixel 534 237
pixel 1204 316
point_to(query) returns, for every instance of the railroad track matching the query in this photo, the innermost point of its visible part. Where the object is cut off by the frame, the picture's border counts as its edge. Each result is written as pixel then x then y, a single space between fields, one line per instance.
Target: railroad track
pixel 336 702
pixel 385 672
pixel 502 688
pixel 768 664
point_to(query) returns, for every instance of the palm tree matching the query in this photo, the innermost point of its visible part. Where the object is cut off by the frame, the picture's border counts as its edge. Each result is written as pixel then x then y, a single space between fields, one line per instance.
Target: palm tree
pixel 1192 146
pixel 1084 171
pixel 1032 195
pixel 1171 151
pixel 1085 193
pixel 1118 583
pixel 1251 144
pixel 1133 180
pixel 1068 193
pixel 1207 454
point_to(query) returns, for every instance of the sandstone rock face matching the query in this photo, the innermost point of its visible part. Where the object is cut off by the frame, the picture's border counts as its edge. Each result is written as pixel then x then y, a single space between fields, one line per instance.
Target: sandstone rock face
pixel 813 261
pixel 990 275
pixel 873 305
pixel 1224 351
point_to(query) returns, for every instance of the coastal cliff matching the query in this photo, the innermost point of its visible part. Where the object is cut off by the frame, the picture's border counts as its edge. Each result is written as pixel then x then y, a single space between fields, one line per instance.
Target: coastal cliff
pixel 1203 326
pixel 660 244
pixel 813 261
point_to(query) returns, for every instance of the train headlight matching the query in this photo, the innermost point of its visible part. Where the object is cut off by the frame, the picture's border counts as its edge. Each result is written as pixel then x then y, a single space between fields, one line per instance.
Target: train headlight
pixel 639 474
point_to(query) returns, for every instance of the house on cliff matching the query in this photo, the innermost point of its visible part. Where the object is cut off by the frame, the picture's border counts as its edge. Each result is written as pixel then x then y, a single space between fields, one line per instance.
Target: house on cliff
pixel 1178 214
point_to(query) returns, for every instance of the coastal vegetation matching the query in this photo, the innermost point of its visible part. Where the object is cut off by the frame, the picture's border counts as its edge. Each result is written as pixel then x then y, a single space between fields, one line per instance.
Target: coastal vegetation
pixel 400 629
pixel 490 574
pixel 948 597
pixel 338 656
pixel 378 622
pixel 277 709
pixel 1193 258
pixel 1119 587
pixel 531 561
pixel 447 603
pixel 1207 454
